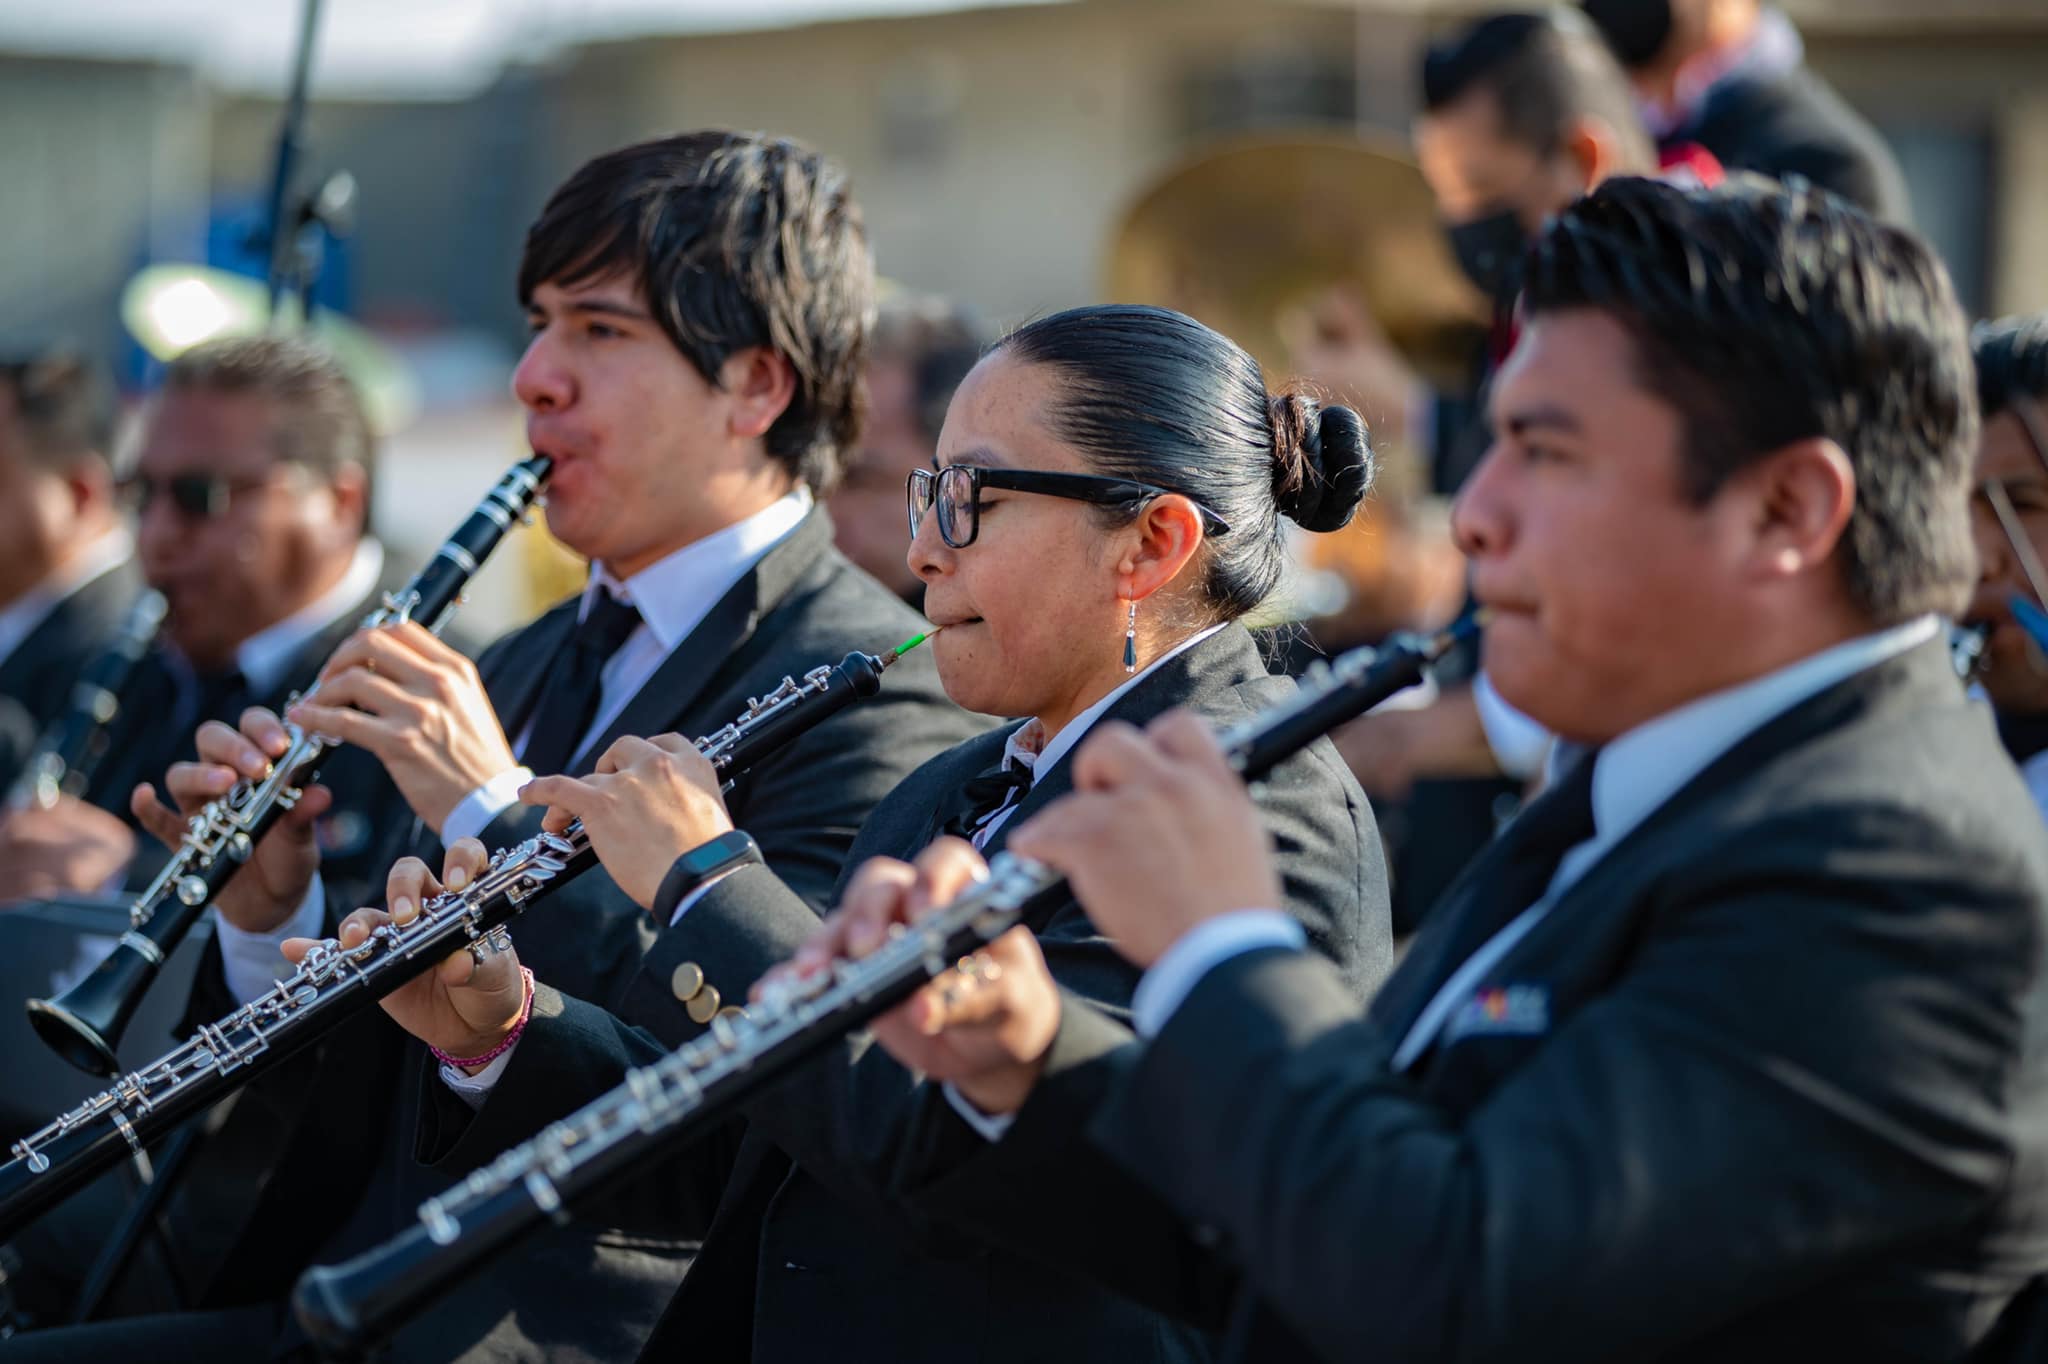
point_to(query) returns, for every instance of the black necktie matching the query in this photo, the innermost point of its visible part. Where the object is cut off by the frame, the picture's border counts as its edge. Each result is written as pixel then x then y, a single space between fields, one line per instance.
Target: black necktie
pixel 1532 845
pixel 570 696
pixel 219 696
pixel 985 796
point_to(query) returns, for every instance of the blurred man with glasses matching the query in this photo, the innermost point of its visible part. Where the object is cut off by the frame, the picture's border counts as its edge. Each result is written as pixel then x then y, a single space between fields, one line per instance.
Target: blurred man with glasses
pixel 251 490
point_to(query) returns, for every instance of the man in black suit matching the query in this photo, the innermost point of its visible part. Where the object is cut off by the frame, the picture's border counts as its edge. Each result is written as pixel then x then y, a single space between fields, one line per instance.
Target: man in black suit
pixel 251 491
pixel 694 377
pixel 2011 525
pixel 67 580
pixel 1731 76
pixel 1731 1046
pixel 251 485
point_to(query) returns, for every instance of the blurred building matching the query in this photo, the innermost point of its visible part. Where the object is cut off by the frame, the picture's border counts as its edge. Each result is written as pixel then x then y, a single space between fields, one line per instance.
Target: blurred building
pixel 994 147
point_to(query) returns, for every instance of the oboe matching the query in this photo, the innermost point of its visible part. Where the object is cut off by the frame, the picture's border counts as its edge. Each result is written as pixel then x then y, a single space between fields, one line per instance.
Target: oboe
pixel 85 1023
pixel 349 1306
pixel 334 983
pixel 63 762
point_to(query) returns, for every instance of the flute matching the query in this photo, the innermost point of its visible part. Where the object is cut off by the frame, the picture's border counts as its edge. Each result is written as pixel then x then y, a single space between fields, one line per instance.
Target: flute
pixel 85 1023
pixel 350 1306
pixel 335 983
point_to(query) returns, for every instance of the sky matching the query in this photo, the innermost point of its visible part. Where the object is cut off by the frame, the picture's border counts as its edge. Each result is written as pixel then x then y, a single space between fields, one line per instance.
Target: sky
pixel 428 49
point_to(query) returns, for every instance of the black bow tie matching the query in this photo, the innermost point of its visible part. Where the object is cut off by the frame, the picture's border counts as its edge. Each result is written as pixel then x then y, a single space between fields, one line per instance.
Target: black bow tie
pixel 986 796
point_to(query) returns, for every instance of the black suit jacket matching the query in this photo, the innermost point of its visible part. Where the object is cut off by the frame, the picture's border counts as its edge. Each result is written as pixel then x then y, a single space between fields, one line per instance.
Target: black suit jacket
pixel 1795 124
pixel 807 1253
pixel 592 1290
pixel 1775 1088
pixel 38 676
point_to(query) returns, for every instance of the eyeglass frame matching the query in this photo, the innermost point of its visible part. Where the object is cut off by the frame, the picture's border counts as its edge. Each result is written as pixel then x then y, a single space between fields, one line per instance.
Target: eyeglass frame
pixel 1092 488
pixel 216 493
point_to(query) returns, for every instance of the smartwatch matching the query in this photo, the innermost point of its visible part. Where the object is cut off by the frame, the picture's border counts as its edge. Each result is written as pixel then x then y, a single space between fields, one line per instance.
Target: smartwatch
pixel 730 851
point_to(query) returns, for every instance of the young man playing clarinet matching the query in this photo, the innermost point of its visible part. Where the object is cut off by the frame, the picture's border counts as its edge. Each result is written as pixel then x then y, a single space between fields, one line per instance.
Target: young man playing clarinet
pixel 699 308
pixel 1730 1047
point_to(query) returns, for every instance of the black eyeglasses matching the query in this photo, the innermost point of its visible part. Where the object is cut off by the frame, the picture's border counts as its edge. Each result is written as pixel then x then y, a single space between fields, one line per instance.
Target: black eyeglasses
pixel 197 497
pixel 955 491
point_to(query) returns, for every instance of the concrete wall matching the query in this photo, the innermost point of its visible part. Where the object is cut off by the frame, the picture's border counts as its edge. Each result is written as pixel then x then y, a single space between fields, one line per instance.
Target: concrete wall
pixel 98 158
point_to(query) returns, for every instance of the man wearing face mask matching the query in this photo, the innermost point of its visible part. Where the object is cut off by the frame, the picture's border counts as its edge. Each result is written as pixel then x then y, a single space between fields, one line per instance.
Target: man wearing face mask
pixel 2009 518
pixel 1522 114
pixel 1731 76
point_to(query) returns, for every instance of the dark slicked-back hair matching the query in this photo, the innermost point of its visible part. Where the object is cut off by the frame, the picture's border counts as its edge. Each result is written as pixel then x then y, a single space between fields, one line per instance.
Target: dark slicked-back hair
pixel 63 407
pixel 320 419
pixel 734 240
pixel 2012 359
pixel 1767 315
pixel 1546 70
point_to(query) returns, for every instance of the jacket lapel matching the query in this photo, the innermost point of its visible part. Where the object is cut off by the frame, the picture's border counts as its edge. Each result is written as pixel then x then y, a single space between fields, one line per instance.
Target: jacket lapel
pixel 714 647
pixel 1594 923
pixel 1225 660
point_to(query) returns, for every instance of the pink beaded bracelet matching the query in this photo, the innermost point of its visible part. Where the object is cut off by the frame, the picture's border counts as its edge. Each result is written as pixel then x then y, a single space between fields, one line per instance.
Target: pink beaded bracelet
pixel 525 1012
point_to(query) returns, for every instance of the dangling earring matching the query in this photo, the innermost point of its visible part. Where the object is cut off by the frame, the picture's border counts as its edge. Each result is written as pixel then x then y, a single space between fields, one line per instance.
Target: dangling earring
pixel 1131 638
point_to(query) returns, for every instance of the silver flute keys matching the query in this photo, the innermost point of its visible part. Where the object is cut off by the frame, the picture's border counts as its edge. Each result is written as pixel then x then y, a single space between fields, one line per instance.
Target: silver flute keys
pixel 85 1023
pixel 656 1096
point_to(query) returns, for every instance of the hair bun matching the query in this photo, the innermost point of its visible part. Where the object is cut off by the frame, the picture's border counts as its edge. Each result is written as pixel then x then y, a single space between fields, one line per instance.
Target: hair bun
pixel 1322 461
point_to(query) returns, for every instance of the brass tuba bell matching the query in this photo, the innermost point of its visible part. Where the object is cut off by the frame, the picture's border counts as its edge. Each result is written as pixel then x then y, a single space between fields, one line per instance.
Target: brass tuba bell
pixel 1245 229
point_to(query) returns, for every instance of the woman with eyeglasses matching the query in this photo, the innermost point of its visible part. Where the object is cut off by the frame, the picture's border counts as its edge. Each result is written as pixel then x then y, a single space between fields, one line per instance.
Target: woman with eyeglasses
pixel 1111 501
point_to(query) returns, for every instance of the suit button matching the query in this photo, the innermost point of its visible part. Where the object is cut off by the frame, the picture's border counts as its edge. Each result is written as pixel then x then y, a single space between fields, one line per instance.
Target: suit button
pixel 687 981
pixel 703 1006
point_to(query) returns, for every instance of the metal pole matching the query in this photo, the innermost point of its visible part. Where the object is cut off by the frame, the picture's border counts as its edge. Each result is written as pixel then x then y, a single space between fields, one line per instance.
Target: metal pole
pixel 284 267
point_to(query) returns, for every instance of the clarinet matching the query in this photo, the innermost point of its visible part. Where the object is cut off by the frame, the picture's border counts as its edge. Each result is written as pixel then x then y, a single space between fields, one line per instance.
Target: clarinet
pixel 334 983
pixel 84 1025
pixel 63 762
pixel 349 1307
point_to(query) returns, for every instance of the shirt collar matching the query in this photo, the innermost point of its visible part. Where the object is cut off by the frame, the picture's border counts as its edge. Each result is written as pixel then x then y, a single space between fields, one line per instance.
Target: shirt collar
pixel 20 617
pixel 1026 746
pixel 267 655
pixel 1637 772
pixel 675 593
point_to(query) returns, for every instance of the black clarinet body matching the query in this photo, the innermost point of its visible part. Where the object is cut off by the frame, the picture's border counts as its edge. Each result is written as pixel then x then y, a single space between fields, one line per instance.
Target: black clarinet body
pixel 334 983
pixel 351 1306
pixel 64 759
pixel 84 1025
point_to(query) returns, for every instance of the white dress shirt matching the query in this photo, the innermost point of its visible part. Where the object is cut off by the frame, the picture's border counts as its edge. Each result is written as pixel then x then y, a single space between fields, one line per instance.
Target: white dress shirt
pixel 1636 774
pixel 20 617
pixel 1519 744
pixel 673 595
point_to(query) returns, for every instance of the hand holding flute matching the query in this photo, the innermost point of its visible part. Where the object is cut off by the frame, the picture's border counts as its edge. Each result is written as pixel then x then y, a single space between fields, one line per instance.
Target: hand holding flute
pixel 1158 837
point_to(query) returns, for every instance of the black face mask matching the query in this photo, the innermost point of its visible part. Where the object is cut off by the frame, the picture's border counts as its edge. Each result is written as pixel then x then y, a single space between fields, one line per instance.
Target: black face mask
pixel 1636 29
pixel 1490 250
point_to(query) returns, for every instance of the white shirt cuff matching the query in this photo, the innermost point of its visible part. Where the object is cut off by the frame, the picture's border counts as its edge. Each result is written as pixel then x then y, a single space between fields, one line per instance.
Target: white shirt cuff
pixel 253 962
pixel 1201 950
pixel 1518 742
pixel 992 1126
pixel 474 813
pixel 474 1089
